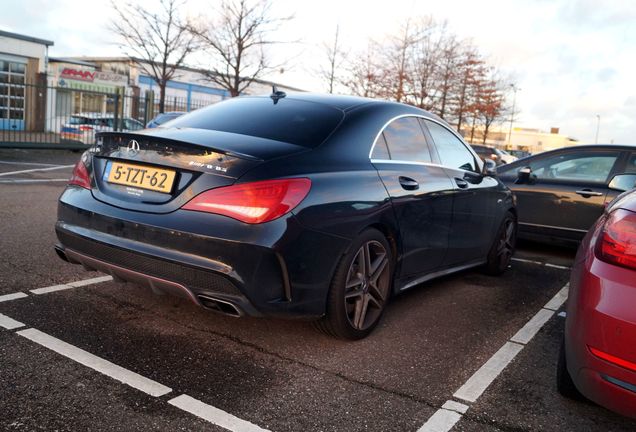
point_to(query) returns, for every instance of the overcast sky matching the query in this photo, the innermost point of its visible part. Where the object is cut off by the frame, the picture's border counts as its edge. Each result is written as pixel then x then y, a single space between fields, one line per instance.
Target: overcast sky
pixel 572 59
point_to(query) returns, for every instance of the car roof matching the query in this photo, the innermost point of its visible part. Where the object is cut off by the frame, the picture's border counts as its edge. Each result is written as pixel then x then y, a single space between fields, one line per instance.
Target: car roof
pixel 597 147
pixel 342 102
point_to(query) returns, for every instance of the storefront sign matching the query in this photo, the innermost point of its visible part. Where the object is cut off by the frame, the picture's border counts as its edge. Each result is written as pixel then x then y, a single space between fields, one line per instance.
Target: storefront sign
pixel 93 76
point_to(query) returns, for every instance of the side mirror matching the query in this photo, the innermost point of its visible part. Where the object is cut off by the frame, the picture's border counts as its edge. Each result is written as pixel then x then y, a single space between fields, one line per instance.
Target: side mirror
pixel 623 182
pixel 490 168
pixel 524 175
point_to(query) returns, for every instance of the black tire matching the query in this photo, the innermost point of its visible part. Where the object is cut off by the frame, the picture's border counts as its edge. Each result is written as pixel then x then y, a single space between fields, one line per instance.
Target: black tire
pixel 565 385
pixel 357 296
pixel 503 247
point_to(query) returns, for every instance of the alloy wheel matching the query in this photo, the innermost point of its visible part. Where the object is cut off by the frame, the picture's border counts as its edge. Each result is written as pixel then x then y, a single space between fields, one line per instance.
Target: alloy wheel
pixel 367 285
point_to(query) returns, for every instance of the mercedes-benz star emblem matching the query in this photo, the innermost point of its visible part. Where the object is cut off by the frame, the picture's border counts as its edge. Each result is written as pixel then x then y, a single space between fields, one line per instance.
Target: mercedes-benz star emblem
pixel 133 146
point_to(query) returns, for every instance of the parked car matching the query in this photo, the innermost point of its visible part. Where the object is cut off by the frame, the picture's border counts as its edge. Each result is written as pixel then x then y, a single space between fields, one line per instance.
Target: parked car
pixel 498 156
pixel 83 127
pixel 520 153
pixel 162 118
pixel 561 193
pixel 306 206
pixel 598 356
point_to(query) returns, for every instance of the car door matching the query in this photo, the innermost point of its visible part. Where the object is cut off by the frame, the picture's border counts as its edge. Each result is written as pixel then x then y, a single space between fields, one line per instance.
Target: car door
pixel 476 198
pixel 418 190
pixel 566 192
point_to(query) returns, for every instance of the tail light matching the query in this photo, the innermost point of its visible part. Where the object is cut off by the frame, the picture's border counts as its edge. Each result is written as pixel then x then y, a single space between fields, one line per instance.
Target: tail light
pixel 86 128
pixel 255 202
pixel 80 175
pixel 617 241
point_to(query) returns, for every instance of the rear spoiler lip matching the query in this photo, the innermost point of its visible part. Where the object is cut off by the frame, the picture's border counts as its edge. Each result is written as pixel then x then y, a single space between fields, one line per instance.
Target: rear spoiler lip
pixel 159 137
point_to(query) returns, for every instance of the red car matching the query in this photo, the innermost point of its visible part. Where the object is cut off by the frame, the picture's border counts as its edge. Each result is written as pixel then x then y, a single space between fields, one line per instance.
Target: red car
pixel 598 357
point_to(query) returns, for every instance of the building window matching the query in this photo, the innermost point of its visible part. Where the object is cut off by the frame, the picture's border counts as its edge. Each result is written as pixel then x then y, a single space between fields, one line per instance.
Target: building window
pixel 12 79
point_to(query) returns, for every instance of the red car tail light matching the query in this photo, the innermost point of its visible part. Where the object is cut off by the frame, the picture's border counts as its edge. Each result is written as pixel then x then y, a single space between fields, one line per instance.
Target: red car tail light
pixel 613 359
pixel 255 202
pixel 80 176
pixel 617 242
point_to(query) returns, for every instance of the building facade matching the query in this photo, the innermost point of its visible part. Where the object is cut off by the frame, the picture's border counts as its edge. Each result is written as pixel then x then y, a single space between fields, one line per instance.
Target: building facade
pixel 23 61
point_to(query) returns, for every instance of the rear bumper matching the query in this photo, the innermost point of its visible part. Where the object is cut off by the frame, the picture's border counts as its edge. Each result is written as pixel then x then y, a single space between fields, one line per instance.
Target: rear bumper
pixel 601 315
pixel 260 270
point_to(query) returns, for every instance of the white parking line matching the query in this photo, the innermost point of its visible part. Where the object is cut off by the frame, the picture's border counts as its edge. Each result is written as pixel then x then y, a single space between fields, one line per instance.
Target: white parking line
pixel 558 300
pixel 214 415
pixel 446 417
pixel 9 323
pixel 57 167
pixel 70 285
pixel 526 261
pixel 527 332
pixel 12 296
pixel 523 260
pixel 22 181
pixel 479 382
pixel 105 367
pixel 455 406
pixel 26 163
pixel 442 421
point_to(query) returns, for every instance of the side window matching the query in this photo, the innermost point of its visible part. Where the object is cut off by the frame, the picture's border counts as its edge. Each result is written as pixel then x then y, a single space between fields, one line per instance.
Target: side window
pixel 575 166
pixel 631 164
pixel 452 151
pixel 406 141
pixel 380 150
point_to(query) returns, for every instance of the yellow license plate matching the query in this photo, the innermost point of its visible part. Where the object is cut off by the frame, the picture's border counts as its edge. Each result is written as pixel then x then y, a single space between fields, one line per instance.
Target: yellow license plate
pixel 141 176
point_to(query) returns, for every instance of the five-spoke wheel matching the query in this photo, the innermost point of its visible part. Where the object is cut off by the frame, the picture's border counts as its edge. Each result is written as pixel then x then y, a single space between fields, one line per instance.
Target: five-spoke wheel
pixel 360 287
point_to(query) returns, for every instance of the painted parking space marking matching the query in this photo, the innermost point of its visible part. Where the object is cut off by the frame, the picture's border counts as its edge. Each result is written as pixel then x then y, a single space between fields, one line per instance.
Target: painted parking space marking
pixel 455 406
pixel 213 414
pixel 546 264
pixel 526 261
pixel 532 327
pixel 56 167
pixel 447 416
pixel 12 296
pixel 70 285
pixel 9 323
pixel 558 300
pixel 560 267
pixel 479 382
pixel 443 420
pixel 98 364
pixel 27 163
pixel 27 181
pixel 150 387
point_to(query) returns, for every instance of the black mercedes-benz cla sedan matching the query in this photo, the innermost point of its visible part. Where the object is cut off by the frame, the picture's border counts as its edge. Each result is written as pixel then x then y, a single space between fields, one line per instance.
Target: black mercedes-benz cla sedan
pixel 298 206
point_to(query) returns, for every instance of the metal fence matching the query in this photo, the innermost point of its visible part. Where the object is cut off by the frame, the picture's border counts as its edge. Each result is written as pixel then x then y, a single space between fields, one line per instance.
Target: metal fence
pixel 42 116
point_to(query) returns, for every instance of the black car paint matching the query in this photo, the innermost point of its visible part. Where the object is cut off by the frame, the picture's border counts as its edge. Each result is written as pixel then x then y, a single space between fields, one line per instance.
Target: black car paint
pixel 551 209
pixel 284 267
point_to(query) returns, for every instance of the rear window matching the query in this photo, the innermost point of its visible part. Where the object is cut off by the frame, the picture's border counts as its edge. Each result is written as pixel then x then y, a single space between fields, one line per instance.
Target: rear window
pixel 81 120
pixel 292 121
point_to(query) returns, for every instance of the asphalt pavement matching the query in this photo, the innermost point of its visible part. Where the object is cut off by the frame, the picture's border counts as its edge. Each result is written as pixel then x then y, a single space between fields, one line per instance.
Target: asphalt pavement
pixel 106 356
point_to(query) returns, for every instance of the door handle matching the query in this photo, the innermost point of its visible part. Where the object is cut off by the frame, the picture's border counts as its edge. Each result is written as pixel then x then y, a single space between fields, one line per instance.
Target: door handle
pixel 408 183
pixel 461 183
pixel 588 193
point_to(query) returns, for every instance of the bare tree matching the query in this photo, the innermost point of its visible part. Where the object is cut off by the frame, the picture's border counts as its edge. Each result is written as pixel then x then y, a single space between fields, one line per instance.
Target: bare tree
pixel 365 77
pixel 397 60
pixel 335 56
pixel 491 99
pixel 424 65
pixel 469 74
pixel 155 40
pixel 236 40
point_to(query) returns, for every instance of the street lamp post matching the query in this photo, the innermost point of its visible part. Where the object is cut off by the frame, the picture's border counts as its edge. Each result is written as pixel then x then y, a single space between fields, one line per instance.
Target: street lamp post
pixel 512 114
pixel 598 126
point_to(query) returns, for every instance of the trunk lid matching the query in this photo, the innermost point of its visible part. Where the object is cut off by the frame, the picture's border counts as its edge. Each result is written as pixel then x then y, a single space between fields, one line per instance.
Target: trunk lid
pixel 159 170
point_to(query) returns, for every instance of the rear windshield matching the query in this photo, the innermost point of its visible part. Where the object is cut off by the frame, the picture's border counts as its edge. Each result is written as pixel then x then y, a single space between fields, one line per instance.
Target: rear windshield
pixel 292 121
